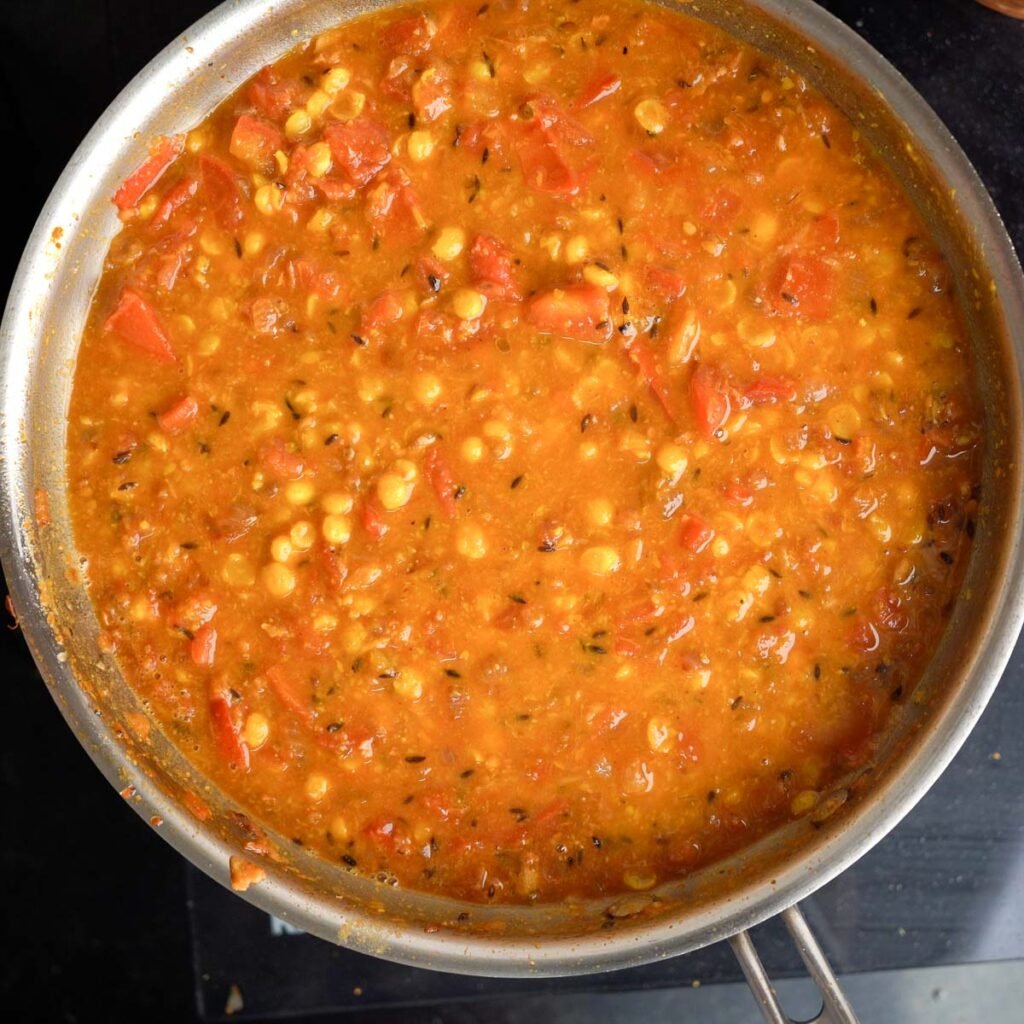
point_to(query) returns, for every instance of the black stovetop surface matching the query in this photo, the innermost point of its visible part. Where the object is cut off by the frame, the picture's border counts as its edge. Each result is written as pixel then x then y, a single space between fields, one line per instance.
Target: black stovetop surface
pixel 103 922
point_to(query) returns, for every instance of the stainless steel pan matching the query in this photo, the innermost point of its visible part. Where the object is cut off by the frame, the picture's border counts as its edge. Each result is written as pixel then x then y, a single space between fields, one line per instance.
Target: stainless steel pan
pixel 40 333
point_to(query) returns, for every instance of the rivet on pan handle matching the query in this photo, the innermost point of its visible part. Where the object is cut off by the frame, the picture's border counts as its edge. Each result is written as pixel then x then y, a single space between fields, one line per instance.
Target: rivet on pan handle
pixel 835 1009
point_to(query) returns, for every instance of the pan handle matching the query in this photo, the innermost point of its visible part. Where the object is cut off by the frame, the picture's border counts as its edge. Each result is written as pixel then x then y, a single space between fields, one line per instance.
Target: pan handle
pixel 835 1007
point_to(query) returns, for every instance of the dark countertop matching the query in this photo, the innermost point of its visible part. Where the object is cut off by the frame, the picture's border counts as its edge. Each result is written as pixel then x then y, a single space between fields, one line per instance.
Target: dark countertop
pixel 95 925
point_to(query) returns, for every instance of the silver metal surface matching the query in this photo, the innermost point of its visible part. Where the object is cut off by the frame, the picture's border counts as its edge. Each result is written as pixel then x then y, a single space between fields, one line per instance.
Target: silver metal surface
pixel 38 344
pixel 835 1009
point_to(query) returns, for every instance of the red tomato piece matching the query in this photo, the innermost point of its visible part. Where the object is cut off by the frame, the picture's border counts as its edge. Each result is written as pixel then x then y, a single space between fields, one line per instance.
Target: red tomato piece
pixel 280 462
pixel 410 36
pixel 712 405
pixel 226 733
pixel 492 270
pixel 334 566
pixel 644 163
pixel 361 149
pixel 137 323
pixel 439 474
pixel 383 311
pixel 667 284
pixel 373 520
pixel 398 80
pixel 178 415
pixel 767 390
pixel 824 231
pixel 220 190
pixel 169 268
pixel 203 647
pixel 626 648
pixel 694 533
pixel 721 207
pixel 430 273
pixel 270 96
pixel 864 637
pixel 336 191
pixel 438 804
pixel 641 355
pixel 393 194
pixel 177 196
pixel 254 141
pixel 389 834
pixel 645 611
pixel 739 494
pixel 162 154
pixel 802 286
pixel 293 691
pixel 600 87
pixel 559 126
pixel 313 278
pixel 544 166
pixel 481 135
pixel 579 311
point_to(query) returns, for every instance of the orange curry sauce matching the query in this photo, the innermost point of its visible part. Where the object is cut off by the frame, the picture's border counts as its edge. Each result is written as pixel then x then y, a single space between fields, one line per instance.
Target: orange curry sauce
pixel 523 450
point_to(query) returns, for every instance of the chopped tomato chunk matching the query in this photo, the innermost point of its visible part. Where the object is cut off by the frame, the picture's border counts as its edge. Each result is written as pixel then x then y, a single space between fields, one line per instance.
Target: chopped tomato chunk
pixel 492 269
pixel 694 532
pixel 177 196
pixel 544 166
pixel 383 311
pixel 824 231
pixel 293 691
pixel 272 97
pixel 393 194
pixel 552 118
pixel 766 390
pixel 721 207
pixel 802 286
pixel 431 273
pixel 179 415
pixel 162 154
pixel 641 355
pixel 579 311
pixel 410 36
pixel 226 734
pixel 439 473
pixel 280 462
pixel 667 284
pixel 137 323
pixel 373 519
pixel 361 149
pixel 710 397
pixel 600 87
pixel 398 80
pixel 220 190
pixel 255 141
pixel 626 648
pixel 203 647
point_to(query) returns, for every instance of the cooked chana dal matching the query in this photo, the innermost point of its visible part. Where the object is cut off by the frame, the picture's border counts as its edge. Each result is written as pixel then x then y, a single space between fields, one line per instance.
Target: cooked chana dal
pixel 523 450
